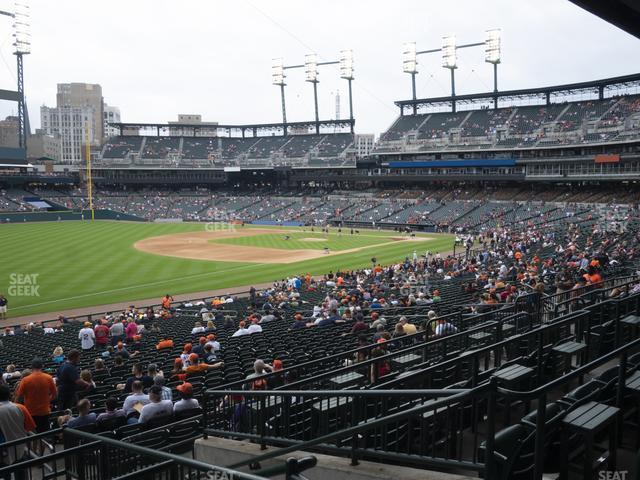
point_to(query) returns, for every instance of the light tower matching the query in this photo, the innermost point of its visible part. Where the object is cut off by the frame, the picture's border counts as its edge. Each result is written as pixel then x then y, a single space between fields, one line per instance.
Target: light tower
pixel 310 66
pixel 450 60
pixel 278 78
pixel 492 55
pixel 22 44
pixel 311 76
pixel 410 66
pixel 346 72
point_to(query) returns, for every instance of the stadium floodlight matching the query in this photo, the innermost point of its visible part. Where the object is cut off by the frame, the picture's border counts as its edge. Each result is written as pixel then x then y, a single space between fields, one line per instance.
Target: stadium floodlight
pixel 492 46
pixel 311 67
pixel 449 57
pixel 409 58
pixel 277 72
pixel 346 72
pixel 21 27
pixel 346 64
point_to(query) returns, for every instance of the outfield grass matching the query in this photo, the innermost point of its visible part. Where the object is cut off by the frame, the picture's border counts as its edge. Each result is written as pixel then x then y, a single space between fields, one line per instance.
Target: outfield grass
pixel 79 264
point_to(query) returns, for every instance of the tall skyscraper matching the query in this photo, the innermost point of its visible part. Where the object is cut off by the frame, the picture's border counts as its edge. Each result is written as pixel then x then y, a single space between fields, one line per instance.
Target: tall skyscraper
pixel 84 95
pixel 78 106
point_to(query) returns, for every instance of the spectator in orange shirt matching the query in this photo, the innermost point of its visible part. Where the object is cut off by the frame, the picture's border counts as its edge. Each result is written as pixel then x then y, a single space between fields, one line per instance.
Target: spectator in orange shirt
pixel 166 342
pixel 36 392
pixel 592 277
pixel 166 301
pixel 196 367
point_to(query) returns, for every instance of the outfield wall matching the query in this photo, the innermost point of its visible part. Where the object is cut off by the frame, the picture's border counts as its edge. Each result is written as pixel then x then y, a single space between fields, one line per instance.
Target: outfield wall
pixel 276 223
pixel 23 217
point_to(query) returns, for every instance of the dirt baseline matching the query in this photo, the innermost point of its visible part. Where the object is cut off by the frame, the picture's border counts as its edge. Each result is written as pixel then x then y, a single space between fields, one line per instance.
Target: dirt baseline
pixel 198 246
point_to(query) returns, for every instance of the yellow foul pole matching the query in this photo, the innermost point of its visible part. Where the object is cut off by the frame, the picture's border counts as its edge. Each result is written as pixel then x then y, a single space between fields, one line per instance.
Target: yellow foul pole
pixel 89 179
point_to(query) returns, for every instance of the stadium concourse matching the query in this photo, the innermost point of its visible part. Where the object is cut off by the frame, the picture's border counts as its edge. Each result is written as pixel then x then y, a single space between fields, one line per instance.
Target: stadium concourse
pixel 483 362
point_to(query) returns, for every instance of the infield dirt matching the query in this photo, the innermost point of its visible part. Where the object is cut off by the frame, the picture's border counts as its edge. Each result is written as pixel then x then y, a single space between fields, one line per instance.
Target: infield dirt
pixel 198 246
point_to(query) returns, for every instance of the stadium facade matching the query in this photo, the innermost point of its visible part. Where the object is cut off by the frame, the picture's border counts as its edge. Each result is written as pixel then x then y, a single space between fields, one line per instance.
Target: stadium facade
pixel 583 132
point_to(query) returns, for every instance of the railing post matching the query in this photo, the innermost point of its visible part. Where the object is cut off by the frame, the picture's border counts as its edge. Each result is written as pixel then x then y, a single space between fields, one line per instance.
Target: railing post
pixel 618 326
pixel 622 374
pixel 173 471
pixel 540 437
pixel 489 461
pixel 358 406
pixel 354 450
pixel 205 416
pixel 540 366
pixel 262 421
pixel 104 462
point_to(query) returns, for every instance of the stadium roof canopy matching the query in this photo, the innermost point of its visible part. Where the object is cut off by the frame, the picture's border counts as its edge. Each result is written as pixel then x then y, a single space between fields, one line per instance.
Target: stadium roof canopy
pixel 624 14
pixel 596 88
pixel 254 129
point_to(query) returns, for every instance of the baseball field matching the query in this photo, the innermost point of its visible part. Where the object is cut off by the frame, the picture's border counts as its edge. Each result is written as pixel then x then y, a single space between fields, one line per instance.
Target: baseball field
pixel 56 266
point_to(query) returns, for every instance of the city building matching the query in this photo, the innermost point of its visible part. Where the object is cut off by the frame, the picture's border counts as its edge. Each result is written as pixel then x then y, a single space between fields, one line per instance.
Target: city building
pixel 41 145
pixel 83 95
pixel 111 115
pixel 78 106
pixel 363 144
pixel 9 132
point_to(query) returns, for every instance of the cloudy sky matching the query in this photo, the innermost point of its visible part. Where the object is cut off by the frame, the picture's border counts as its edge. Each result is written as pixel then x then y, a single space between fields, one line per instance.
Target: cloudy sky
pixel 157 58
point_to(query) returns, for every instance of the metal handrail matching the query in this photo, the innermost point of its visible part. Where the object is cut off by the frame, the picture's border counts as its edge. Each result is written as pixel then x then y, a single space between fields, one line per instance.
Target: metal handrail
pixel 454 397
pixel 339 371
pixel 187 462
pixel 38 460
pixel 490 388
pixel 341 393
pixel 580 371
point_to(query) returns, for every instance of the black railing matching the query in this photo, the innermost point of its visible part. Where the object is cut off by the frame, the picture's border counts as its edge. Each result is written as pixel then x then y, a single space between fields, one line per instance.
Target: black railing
pixel 88 456
pixel 451 428
pixel 425 426
pixel 560 303
pixel 404 350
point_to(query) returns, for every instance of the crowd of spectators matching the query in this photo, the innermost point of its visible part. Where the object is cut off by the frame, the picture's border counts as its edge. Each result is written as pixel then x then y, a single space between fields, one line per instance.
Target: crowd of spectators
pixel 531 259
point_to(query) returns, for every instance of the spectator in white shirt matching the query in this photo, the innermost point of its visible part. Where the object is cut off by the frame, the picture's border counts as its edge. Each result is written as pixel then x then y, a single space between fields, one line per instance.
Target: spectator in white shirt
pixel 136 397
pixel 198 328
pixel 241 330
pixel 156 408
pixel 254 327
pixel 211 340
pixel 87 337
pixel 187 402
